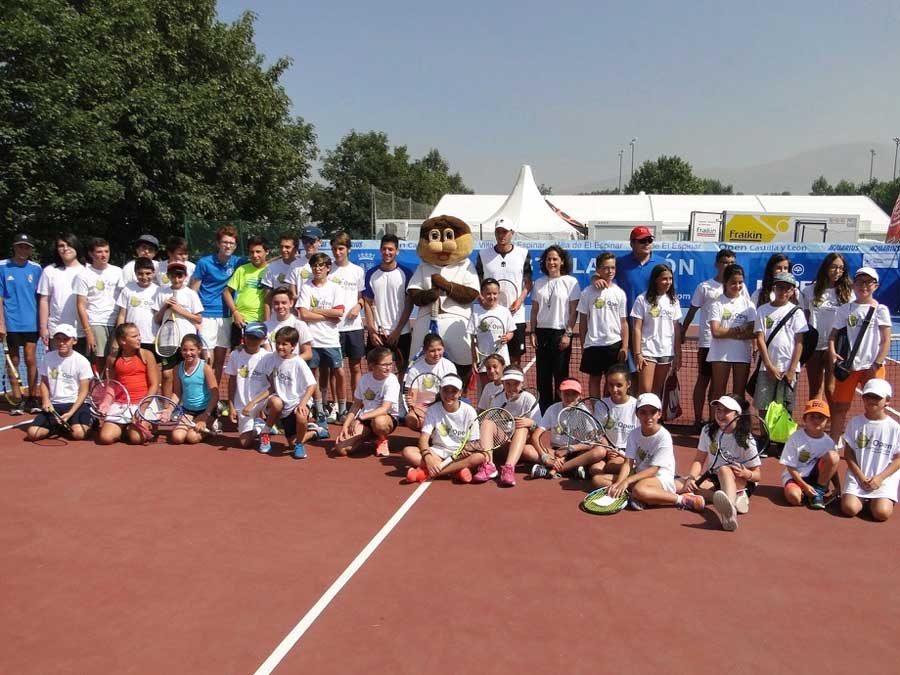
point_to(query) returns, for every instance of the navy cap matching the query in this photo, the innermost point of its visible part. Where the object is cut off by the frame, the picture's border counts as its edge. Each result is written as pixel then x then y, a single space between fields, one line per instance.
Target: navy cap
pixel 22 238
pixel 311 232
pixel 256 329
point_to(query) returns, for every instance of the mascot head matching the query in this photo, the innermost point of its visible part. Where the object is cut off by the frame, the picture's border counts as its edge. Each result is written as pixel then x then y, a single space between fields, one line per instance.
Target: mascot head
pixel 444 240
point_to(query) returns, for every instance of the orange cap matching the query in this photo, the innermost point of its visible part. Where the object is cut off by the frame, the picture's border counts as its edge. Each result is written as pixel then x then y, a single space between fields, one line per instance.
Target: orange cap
pixel 817 405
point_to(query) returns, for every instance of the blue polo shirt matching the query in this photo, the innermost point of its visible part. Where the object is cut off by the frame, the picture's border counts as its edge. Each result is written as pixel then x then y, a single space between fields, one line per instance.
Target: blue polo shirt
pixel 633 277
pixel 18 288
pixel 213 276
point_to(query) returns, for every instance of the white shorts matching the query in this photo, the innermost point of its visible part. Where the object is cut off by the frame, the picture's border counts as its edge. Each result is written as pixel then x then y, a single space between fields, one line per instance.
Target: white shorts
pixel 667 482
pixel 245 423
pixel 120 413
pixel 216 332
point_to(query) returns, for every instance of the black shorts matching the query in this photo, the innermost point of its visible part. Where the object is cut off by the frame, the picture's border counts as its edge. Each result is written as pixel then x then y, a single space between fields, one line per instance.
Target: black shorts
pixel 368 424
pixel 83 416
pixel 516 346
pixel 289 425
pixel 705 366
pixel 403 344
pixel 353 344
pixel 169 362
pixel 597 360
pixel 16 340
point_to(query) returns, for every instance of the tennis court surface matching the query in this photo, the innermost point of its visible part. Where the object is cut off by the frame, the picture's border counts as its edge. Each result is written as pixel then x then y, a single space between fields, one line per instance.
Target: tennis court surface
pixel 204 559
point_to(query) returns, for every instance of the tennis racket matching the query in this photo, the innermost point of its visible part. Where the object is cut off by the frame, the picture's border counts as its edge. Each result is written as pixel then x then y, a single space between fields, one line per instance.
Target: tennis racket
pixel 108 396
pixel 601 504
pixel 582 427
pixel 161 411
pixel 423 389
pixel 13 384
pixel 743 440
pixel 488 337
pixel 509 292
pixel 494 427
pixel 168 338
pixel 58 421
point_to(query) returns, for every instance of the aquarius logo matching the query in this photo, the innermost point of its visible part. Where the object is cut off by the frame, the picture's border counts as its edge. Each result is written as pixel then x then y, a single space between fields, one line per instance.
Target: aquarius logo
pixel 135 302
pixel 100 285
pixel 369 395
pixel 313 302
pixel 54 373
pixel 599 303
pixel 443 430
pixel 243 371
pixel 654 311
pixel 483 327
pixel 165 278
pixel 429 381
pixel 609 423
pixel 726 314
pixel 769 322
pixel 852 320
pixel 804 455
pixel 862 441
pixel 641 453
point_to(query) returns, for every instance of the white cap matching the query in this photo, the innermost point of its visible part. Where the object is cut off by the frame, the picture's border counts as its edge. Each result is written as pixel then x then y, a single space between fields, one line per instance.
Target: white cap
pixel 513 374
pixel 879 387
pixel 505 224
pixel 649 399
pixel 66 329
pixel 729 402
pixel 868 271
pixel 451 380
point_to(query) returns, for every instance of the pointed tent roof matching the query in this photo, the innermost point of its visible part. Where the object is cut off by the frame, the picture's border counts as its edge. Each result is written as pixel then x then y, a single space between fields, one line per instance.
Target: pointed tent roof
pixel 533 215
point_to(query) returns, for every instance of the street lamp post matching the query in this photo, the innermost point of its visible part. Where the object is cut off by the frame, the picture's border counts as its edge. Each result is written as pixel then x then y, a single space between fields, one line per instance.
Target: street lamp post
pixel 622 152
pixel 633 141
pixel 871 163
pixel 896 147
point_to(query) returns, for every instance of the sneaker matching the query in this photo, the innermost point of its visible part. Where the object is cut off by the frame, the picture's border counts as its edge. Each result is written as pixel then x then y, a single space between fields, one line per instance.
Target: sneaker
pixel 331 414
pixel 817 501
pixel 507 475
pixel 222 408
pixel 299 451
pixel 464 475
pixel 578 473
pixel 216 426
pixel 265 443
pixel 691 502
pixel 382 449
pixel 322 421
pixel 486 472
pixel 35 406
pixel 342 416
pixel 321 431
pixel 727 511
pixel 742 502
pixel 636 504
pixel 414 475
pixel 18 408
pixel 540 471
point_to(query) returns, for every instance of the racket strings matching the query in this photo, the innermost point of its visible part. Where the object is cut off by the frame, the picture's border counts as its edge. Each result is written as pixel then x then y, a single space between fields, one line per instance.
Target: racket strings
pixel 495 427
pixel 579 425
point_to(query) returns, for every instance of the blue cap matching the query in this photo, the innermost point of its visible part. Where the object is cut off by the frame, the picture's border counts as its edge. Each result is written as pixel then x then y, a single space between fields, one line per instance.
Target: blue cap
pixel 256 329
pixel 311 232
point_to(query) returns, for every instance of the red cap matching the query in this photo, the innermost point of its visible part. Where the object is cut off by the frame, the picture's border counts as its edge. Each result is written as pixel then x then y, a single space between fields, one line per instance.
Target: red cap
pixel 640 232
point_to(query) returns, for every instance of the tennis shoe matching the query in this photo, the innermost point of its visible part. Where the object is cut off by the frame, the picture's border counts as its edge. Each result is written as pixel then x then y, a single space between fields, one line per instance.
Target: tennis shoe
pixel 331 414
pixel 507 475
pixel 265 442
pixel 18 408
pixel 299 451
pixel 382 449
pixel 817 501
pixel 742 502
pixel 691 502
pixel 341 416
pixel 321 431
pixel 485 472
pixel 578 473
pixel 726 510
pixel 415 475
pixel 636 504
pixel 216 426
pixel 540 471
pixel 464 475
pixel 35 406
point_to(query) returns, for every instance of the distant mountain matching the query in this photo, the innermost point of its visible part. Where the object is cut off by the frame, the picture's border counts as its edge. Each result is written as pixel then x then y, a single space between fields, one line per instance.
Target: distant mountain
pixel 794 174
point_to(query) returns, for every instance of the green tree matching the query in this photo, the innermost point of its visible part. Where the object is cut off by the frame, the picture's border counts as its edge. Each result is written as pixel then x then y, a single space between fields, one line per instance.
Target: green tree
pixel 545 189
pixel 430 179
pixel 821 186
pixel 120 116
pixel 713 186
pixel 665 176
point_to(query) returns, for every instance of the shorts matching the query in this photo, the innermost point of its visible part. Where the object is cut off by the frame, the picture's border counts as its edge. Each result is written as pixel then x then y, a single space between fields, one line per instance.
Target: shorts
pixel 516 345
pixel 83 416
pixel 368 424
pixel 403 344
pixel 288 424
pixel 169 362
pixel 103 338
pixel 216 331
pixel 812 478
pixel 597 360
pixel 245 423
pixel 16 340
pixel 765 392
pixel 846 390
pixel 705 366
pixel 353 344
pixel 331 355
pixel 659 360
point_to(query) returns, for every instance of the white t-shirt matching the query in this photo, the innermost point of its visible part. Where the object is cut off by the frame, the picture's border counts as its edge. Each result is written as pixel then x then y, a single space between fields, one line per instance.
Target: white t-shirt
pixel 187 298
pixel 128 272
pixel 277 274
pixel 604 311
pixel 875 443
pixel 273 325
pixel 292 377
pixel 781 348
pixel 448 429
pixel 100 287
pixel 731 313
pixel 387 291
pixel 58 285
pixel 162 276
pixel 704 295
pixel 506 266
pixel 553 297
pixel 550 422
pixel 300 272
pixel 730 445
pixel 524 405
pixel 250 380
pixel 485 339
pixel 327 296
pixel 351 279
pixel 374 392
pixel 138 304
pixel 440 369
pixel 620 422
pixel 655 450
pixel 802 452
pixel 64 375
pixel 658 324
pixel 491 393
pixel 851 316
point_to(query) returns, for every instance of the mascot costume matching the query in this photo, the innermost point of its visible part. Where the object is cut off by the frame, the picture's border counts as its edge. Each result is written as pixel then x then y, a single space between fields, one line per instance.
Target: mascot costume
pixel 443 287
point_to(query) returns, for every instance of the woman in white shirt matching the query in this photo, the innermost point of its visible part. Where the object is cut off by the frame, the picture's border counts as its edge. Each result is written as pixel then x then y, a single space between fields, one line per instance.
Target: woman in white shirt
pixel 731 321
pixel 656 335
pixel 554 299
pixel 56 289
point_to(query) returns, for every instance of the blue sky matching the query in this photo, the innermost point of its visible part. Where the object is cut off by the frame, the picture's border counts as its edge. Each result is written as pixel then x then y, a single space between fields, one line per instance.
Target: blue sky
pixel 564 86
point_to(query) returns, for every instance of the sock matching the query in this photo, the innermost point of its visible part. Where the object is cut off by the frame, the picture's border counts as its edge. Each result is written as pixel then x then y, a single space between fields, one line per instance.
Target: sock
pixel 342 406
pixel 679 499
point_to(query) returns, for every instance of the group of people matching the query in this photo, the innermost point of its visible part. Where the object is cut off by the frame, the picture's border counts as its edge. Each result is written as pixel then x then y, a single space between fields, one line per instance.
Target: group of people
pixel 265 338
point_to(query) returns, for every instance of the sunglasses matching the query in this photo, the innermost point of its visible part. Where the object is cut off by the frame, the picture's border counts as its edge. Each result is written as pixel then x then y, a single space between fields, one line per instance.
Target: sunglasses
pixel 645 240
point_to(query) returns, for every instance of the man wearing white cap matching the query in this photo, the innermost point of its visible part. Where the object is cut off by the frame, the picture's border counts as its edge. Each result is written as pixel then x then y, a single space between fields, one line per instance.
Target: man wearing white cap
pixel 507 261
pixel 868 323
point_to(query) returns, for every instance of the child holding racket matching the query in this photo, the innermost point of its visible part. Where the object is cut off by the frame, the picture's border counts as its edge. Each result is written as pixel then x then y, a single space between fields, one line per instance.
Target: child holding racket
pixel 524 407
pixel 65 379
pixel 493 388
pixel 602 325
pixel 872 453
pixel 649 473
pixel 656 339
pixel 420 383
pixel 282 302
pixel 183 306
pixel 444 429
pixel 809 458
pixel 492 326
pixel 548 438
pixel 375 408
pixel 197 391
pixel 727 485
pixel 246 380
pixel 731 319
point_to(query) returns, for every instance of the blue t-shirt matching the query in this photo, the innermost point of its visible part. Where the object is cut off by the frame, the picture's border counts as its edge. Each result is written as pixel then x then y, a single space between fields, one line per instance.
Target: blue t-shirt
pixel 633 278
pixel 18 288
pixel 213 277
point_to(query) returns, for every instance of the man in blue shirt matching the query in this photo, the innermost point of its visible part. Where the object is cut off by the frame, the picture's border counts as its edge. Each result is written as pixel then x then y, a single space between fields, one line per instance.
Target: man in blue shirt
pixel 19 278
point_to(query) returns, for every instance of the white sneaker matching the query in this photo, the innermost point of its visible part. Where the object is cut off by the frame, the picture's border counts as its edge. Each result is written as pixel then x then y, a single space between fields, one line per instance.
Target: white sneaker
pixel 216 426
pixel 726 510
pixel 331 415
pixel 742 502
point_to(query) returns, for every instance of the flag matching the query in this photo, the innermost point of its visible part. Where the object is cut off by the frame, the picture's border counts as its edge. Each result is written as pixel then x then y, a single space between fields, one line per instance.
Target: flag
pixel 893 231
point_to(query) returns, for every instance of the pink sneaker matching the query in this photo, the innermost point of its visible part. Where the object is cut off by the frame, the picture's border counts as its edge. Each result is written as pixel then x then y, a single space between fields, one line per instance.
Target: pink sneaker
pixel 691 502
pixel 382 450
pixel 464 475
pixel 485 472
pixel 507 475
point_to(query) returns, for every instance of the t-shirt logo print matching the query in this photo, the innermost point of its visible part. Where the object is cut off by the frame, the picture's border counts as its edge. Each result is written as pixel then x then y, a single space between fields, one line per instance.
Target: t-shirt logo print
pixel 369 395
pixel 641 453
pixel 100 285
pixel 443 430
pixel 769 322
pixel 654 311
pixel 54 373
pixel 852 320
pixel 243 371
pixel 862 441
pixel 599 303
pixel 804 454
pixel 726 314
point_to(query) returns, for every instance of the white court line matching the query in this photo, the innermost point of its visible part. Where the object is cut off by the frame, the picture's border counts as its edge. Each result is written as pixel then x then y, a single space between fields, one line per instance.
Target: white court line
pixel 303 625
pixel 18 424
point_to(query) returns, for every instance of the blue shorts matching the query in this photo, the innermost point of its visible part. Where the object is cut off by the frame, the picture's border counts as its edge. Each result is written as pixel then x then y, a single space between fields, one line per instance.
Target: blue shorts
pixel 47 421
pixel 331 356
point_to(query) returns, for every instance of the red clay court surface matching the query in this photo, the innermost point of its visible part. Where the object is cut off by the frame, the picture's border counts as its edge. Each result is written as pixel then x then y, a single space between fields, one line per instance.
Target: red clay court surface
pixel 164 559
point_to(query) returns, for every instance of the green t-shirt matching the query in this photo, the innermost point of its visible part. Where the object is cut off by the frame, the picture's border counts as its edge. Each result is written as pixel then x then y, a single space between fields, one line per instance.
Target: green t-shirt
pixel 250 295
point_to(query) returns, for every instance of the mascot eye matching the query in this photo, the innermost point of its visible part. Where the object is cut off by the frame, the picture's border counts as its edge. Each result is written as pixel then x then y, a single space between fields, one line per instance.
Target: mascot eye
pixel 434 235
pixel 449 235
